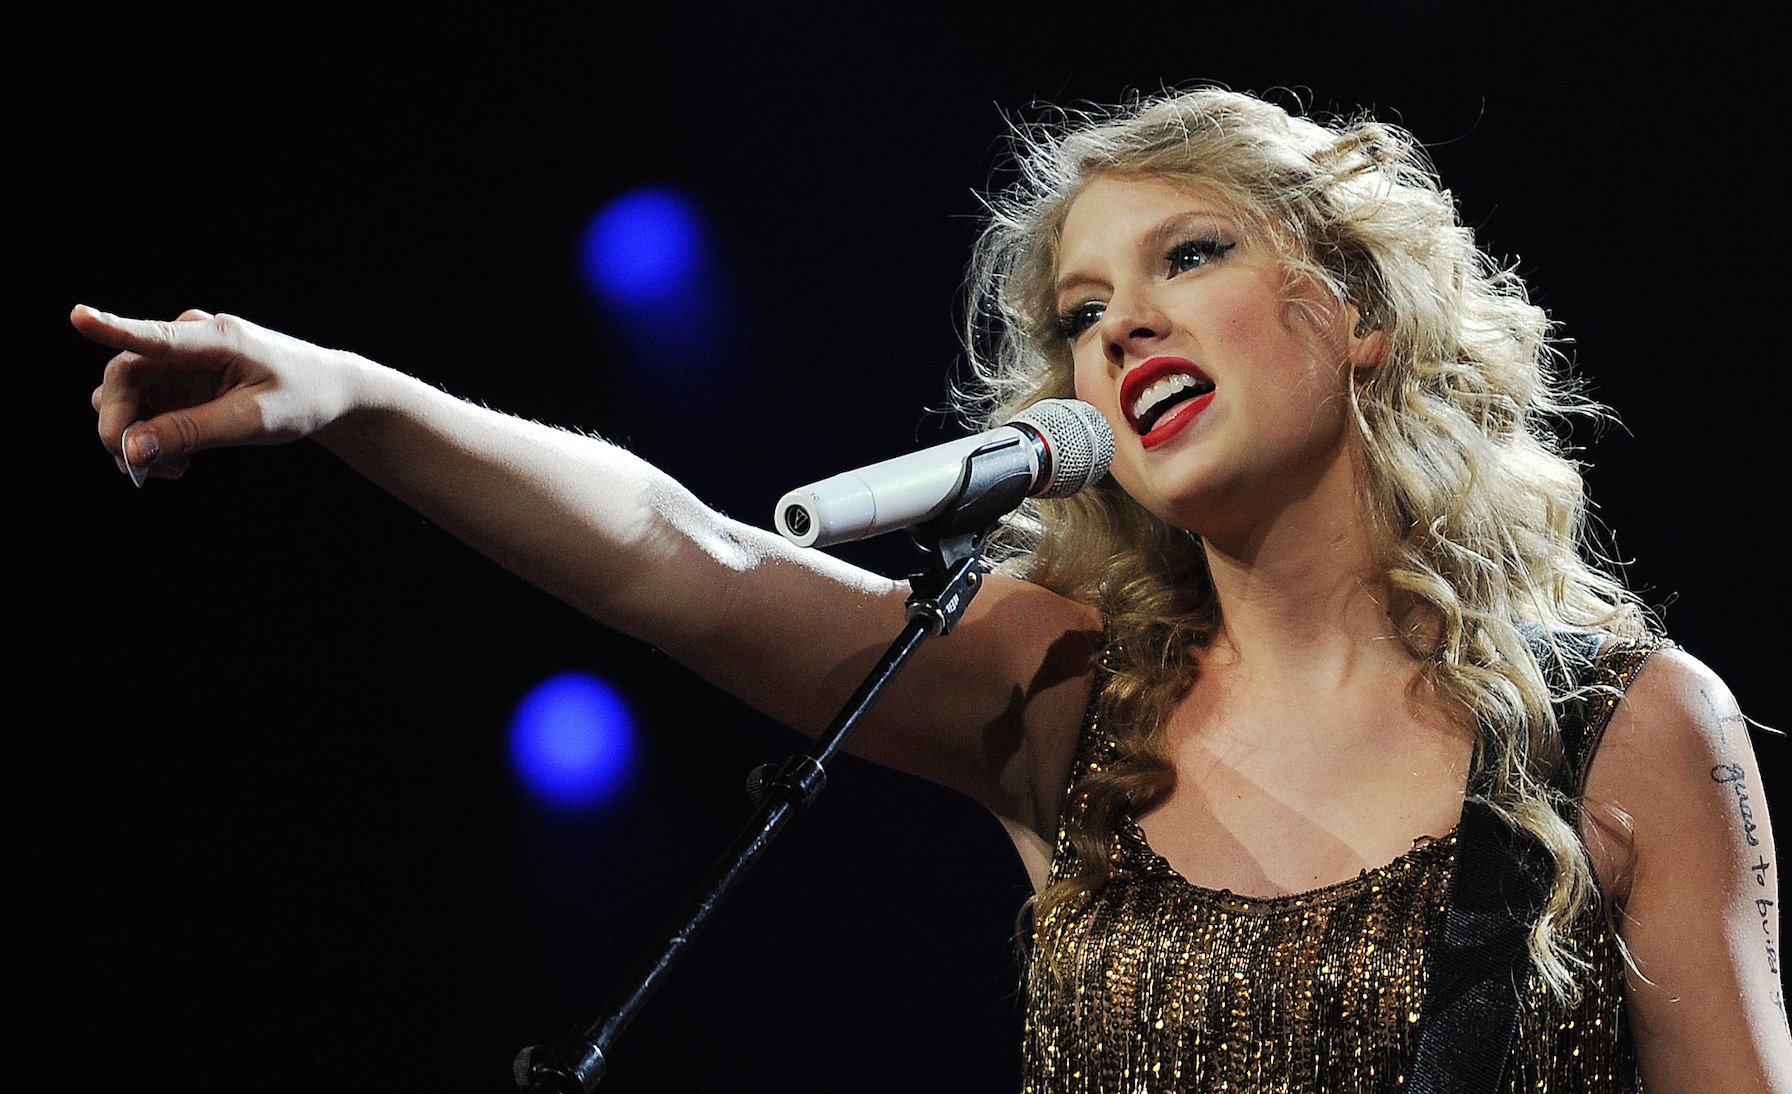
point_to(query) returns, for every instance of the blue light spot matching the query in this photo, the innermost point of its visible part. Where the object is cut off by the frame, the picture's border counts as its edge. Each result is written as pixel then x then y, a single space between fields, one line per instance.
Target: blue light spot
pixel 645 249
pixel 571 741
pixel 648 260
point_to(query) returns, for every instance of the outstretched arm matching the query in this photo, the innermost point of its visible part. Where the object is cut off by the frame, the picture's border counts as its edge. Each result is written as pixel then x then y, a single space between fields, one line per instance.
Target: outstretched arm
pixel 1701 916
pixel 791 631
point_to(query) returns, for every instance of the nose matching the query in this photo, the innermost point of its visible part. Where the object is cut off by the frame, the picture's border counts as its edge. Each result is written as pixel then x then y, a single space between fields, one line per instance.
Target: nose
pixel 1131 326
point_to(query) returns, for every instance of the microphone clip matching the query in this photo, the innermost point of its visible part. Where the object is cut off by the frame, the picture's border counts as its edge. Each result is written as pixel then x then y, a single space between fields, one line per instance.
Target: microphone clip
pixel 995 479
pixel 940 595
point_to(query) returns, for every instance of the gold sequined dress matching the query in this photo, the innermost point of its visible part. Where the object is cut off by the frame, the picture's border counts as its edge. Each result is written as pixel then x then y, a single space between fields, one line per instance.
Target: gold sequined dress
pixel 1163 985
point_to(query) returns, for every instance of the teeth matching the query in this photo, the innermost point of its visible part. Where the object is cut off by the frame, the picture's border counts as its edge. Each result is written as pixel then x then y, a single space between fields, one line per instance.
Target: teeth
pixel 1162 390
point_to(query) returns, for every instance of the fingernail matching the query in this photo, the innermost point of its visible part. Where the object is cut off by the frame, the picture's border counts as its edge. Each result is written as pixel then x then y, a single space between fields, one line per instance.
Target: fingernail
pixel 149 449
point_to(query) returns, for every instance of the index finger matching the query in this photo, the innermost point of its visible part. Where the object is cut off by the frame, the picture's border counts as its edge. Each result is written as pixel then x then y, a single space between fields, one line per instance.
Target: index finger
pixel 150 337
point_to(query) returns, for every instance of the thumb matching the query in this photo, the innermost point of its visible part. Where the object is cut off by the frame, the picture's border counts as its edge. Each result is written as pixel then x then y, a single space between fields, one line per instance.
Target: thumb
pixel 163 445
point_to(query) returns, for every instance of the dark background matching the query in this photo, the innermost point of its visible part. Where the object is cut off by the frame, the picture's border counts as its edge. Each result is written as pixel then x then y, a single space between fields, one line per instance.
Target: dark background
pixel 266 837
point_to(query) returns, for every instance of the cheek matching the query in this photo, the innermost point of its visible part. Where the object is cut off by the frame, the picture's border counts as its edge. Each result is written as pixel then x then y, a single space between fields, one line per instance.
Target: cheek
pixel 1296 356
pixel 1082 381
pixel 1255 323
pixel 1094 385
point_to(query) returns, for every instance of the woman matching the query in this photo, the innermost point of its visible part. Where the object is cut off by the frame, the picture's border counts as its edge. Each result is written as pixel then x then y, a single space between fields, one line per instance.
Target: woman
pixel 1331 590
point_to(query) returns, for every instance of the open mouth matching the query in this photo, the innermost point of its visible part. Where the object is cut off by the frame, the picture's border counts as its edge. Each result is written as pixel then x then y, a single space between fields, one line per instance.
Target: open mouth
pixel 1164 396
pixel 1159 386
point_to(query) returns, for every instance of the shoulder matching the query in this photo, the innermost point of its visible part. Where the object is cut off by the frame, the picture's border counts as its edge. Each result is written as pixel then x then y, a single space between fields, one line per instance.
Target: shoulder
pixel 1058 669
pixel 1040 634
pixel 1011 683
pixel 1054 607
pixel 1669 770
pixel 1675 714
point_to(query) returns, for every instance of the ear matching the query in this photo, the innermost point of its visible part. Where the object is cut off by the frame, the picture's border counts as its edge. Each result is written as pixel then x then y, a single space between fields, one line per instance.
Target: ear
pixel 1368 344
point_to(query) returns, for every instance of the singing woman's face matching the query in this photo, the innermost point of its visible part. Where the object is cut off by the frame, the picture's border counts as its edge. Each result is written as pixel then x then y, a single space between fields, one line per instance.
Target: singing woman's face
pixel 1227 398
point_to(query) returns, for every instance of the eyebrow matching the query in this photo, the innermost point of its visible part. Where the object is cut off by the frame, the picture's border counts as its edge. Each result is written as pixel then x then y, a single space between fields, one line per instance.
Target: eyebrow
pixel 1165 234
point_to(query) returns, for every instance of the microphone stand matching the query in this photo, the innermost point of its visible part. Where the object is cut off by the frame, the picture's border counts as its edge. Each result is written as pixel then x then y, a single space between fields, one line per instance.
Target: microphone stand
pixel 991 485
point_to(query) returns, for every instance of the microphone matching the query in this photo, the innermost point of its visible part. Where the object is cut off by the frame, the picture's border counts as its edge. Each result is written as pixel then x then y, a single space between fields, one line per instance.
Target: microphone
pixel 1060 446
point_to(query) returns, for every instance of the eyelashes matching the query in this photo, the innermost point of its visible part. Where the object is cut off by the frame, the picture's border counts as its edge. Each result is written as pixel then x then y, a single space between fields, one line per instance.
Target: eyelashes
pixel 1078 319
pixel 1195 253
pixel 1188 255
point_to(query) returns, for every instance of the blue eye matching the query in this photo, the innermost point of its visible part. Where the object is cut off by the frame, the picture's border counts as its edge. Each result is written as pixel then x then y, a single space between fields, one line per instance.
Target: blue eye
pixel 1195 253
pixel 1191 254
pixel 1079 319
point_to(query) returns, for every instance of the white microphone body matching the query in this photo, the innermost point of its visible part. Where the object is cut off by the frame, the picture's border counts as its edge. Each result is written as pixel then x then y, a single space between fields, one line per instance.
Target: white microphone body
pixel 1064 444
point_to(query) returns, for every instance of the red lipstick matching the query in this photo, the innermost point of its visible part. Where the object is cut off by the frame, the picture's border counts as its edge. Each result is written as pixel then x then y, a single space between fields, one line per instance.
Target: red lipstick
pixel 1178 417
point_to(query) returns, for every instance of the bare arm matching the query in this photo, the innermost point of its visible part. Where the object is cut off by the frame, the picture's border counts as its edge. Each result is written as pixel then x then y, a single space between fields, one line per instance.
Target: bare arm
pixel 1701 915
pixel 791 631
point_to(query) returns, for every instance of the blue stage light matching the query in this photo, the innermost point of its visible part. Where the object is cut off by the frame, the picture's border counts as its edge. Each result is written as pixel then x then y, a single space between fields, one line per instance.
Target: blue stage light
pixel 571 741
pixel 645 249
pixel 648 259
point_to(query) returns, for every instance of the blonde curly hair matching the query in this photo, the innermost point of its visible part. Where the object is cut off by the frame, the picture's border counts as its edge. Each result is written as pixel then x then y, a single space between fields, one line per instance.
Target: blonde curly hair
pixel 1478 515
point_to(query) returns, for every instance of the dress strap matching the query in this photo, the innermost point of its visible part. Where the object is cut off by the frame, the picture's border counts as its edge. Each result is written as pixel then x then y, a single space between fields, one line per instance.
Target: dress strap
pixel 1501 882
pixel 1471 1004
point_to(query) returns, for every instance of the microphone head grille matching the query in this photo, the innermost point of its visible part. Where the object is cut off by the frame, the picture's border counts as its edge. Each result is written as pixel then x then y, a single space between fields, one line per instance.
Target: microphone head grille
pixel 1081 443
